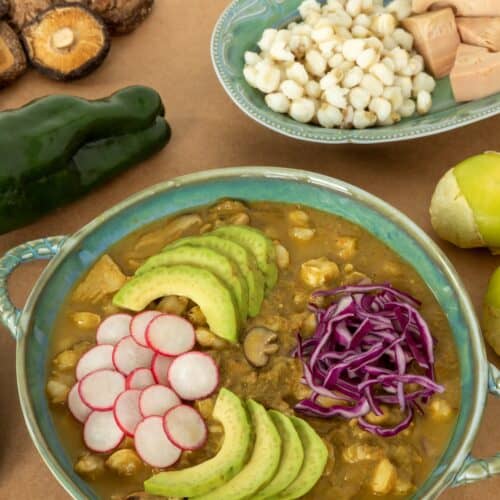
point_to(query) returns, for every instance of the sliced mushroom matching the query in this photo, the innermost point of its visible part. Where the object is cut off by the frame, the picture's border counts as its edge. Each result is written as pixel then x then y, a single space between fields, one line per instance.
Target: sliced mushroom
pixel 259 344
pixel 66 42
pixel 12 59
pixel 122 16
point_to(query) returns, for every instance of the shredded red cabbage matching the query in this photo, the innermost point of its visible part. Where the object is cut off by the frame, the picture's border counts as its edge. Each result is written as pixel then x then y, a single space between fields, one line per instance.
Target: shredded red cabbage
pixel 361 353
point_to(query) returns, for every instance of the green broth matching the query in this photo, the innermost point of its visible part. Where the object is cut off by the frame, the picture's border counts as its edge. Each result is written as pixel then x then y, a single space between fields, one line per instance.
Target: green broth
pixel 413 453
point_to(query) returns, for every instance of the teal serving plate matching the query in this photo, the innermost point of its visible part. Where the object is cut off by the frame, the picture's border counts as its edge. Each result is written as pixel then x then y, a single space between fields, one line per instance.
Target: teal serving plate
pixel 72 256
pixel 239 28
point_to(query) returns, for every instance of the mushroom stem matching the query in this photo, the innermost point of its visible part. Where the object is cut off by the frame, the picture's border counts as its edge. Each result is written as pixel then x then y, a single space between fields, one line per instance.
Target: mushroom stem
pixel 63 38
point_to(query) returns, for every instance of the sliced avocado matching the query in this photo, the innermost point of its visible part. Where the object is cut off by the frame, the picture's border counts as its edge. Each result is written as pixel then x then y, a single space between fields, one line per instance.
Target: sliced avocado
pixel 292 457
pixel 243 258
pixel 262 464
pixel 315 457
pixel 211 260
pixel 199 285
pixel 259 244
pixel 230 411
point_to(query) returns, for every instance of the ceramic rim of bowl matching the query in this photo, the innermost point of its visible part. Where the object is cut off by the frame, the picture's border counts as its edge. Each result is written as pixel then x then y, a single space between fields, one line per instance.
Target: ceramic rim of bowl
pixel 291 175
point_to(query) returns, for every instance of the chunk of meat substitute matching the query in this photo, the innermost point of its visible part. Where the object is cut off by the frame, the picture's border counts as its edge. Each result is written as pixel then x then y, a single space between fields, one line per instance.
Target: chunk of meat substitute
pixel 461 7
pixel 436 38
pixel 481 31
pixel 476 73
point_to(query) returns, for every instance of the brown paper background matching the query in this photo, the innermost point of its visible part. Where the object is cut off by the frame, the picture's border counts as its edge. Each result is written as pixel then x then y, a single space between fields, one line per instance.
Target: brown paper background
pixel 171 53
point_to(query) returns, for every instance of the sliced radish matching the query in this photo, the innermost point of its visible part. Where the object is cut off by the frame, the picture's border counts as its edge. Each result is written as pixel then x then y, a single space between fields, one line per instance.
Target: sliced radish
pixel 185 427
pixel 76 406
pixel 160 366
pixel 101 432
pixel 140 378
pixel 170 335
pixel 99 357
pixel 157 400
pixel 139 325
pixel 113 329
pixel 129 355
pixel 193 375
pixel 100 389
pixel 127 412
pixel 153 445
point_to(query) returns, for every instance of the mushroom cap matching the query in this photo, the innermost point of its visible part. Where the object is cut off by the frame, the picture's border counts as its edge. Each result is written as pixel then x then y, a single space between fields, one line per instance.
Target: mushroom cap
pixel 12 58
pixel 22 12
pixel 66 42
pixel 259 343
pixel 122 16
pixel 4 8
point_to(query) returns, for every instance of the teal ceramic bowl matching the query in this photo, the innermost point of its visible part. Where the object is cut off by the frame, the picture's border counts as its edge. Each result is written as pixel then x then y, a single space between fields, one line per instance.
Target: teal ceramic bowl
pixel 238 30
pixel 72 256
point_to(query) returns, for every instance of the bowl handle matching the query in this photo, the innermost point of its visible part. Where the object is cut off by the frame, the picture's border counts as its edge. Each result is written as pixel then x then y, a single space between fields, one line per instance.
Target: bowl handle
pixel 44 248
pixel 476 469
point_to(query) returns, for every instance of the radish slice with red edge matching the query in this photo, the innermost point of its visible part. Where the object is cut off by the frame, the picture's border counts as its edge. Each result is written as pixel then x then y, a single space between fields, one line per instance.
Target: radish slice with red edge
pixel 153 445
pixel 193 375
pixel 76 406
pixel 160 366
pixel 185 427
pixel 99 357
pixel 170 335
pixel 157 400
pixel 101 432
pixel 126 411
pixel 100 389
pixel 139 325
pixel 129 355
pixel 113 329
pixel 140 378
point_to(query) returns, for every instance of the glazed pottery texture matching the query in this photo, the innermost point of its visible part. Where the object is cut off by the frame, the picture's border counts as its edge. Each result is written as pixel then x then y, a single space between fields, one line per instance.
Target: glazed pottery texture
pixel 74 255
pixel 239 29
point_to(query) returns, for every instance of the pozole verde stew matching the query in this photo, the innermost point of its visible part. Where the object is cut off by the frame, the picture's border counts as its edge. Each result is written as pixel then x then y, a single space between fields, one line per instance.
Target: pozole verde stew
pixel 313 251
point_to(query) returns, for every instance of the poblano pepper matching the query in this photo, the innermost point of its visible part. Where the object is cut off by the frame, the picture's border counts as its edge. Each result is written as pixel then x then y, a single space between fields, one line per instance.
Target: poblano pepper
pixel 67 145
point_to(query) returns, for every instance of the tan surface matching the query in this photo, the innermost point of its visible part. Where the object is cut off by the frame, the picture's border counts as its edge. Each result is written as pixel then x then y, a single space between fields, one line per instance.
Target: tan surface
pixel 171 53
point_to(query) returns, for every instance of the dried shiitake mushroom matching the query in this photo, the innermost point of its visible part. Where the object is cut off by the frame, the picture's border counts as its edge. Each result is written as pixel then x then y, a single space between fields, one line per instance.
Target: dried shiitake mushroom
pixel 12 58
pixel 24 11
pixel 121 16
pixel 66 41
pixel 4 8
